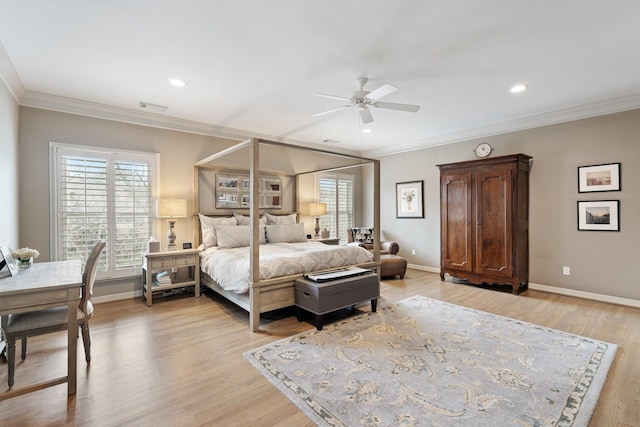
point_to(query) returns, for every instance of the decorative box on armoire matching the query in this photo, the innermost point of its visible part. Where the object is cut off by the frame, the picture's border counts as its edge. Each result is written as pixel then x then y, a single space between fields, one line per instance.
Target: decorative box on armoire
pixel 484 220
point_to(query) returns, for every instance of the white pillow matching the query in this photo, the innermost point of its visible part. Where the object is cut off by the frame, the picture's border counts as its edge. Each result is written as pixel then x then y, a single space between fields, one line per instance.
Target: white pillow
pixel 230 236
pixel 208 226
pixel 281 219
pixel 244 219
pixel 286 233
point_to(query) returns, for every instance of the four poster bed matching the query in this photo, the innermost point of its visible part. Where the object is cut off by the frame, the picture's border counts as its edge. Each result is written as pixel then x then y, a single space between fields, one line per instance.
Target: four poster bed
pixel 253 255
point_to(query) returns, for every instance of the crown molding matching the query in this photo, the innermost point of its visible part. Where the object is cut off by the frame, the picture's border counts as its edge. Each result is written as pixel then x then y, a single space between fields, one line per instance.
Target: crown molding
pixel 126 115
pixel 9 75
pixel 601 108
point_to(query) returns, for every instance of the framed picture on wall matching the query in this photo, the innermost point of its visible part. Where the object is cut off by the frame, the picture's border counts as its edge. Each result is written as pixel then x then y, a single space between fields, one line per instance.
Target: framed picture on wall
pixel 599 215
pixel 599 178
pixel 409 200
pixel 233 192
pixel 6 260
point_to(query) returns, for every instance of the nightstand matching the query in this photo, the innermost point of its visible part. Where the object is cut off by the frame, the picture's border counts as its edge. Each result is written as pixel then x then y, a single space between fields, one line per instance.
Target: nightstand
pixel 327 241
pixel 170 262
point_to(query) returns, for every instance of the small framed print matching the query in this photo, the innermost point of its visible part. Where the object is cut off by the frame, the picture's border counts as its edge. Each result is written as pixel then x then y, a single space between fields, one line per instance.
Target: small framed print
pixel 599 215
pixel 409 201
pixel 599 178
pixel 187 245
pixel 6 260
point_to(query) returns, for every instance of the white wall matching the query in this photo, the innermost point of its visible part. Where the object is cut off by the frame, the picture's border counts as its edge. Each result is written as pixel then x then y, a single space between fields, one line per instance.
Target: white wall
pixel 9 219
pixel 604 263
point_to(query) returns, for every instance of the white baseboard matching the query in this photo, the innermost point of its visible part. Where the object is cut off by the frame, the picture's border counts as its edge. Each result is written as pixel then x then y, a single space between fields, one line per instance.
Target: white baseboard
pixel 424 268
pixel 116 297
pixel 556 290
pixel 586 295
pixel 535 286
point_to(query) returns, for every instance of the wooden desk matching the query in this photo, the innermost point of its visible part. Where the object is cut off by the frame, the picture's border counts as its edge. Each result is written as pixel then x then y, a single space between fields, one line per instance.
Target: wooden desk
pixel 46 285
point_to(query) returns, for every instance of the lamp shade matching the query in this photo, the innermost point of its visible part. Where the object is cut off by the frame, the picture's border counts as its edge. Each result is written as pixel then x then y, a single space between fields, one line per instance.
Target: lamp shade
pixel 317 209
pixel 172 208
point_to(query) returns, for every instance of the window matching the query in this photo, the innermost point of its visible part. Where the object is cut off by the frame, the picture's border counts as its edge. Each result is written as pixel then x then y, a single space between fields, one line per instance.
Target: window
pixel 337 192
pixel 99 194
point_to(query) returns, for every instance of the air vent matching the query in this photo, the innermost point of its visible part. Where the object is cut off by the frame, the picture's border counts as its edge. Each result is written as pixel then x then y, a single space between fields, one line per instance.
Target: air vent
pixel 150 106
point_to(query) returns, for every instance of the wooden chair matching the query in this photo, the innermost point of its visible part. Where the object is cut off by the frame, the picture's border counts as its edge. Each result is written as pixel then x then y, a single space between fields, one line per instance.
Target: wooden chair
pixel 42 322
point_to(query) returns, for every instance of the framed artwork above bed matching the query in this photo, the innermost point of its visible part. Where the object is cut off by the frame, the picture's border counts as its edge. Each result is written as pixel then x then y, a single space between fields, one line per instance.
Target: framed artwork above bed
pixel 232 191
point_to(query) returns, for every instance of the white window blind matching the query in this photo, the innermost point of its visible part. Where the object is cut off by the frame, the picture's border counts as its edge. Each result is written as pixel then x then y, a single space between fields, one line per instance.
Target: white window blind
pixel 102 195
pixel 337 192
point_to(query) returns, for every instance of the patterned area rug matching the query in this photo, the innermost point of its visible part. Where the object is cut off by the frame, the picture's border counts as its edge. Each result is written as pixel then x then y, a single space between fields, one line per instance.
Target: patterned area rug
pixel 427 362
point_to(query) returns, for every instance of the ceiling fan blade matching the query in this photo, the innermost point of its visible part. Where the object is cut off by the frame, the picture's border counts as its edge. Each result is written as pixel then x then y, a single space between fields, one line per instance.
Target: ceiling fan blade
pixel 342 98
pixel 383 90
pixel 395 106
pixel 365 115
pixel 322 113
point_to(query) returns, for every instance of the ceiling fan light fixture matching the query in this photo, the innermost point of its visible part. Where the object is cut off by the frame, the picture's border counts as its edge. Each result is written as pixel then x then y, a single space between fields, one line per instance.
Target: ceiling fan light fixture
pixel 518 88
pixel 362 99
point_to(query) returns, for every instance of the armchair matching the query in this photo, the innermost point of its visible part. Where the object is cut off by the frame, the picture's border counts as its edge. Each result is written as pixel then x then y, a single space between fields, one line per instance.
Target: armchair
pixel 391 264
pixel 364 237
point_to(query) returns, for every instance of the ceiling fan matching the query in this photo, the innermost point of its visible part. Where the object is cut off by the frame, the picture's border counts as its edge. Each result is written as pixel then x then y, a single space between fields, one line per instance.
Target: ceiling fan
pixel 363 99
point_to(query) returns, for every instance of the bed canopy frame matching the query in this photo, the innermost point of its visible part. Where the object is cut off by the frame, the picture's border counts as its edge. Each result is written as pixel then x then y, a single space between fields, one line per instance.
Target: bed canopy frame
pixel 261 156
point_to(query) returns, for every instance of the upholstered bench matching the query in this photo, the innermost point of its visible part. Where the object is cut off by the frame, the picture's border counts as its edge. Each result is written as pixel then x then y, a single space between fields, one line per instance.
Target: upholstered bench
pixel 323 297
pixel 392 265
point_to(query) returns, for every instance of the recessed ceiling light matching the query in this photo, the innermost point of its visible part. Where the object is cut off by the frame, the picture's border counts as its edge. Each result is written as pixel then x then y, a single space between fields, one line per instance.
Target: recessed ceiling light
pixel 366 130
pixel 177 82
pixel 518 88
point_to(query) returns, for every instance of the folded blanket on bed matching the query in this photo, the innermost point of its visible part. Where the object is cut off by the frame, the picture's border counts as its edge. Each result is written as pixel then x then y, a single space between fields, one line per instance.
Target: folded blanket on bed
pixel 229 267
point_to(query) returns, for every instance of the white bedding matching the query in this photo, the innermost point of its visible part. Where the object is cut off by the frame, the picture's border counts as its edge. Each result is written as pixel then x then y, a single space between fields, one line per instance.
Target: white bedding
pixel 229 267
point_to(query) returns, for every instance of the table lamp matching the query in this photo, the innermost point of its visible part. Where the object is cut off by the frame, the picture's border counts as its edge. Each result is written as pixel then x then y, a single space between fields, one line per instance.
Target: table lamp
pixel 317 210
pixel 172 209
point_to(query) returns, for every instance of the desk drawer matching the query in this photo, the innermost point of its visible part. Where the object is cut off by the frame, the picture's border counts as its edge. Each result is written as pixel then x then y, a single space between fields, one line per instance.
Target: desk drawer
pixel 162 263
pixel 182 260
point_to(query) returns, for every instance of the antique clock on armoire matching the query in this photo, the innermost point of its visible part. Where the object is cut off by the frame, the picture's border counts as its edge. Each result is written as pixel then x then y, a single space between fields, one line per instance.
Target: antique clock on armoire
pixel 484 221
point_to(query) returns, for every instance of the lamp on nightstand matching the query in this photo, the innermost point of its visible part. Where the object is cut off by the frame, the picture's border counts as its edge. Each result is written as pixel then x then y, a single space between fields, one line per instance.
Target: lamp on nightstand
pixel 171 209
pixel 317 210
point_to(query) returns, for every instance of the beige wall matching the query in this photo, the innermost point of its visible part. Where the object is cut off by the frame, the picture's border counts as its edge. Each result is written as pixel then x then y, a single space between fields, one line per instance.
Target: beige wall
pixel 601 262
pixel 9 219
pixel 606 263
pixel 178 151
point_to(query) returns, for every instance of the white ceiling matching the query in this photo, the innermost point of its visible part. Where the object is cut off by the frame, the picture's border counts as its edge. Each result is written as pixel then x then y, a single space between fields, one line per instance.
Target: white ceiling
pixel 252 66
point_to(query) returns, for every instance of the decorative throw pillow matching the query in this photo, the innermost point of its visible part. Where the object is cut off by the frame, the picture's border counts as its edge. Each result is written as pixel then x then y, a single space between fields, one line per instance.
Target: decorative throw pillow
pixel 230 236
pixel 286 233
pixel 208 227
pixel 281 219
pixel 245 220
pixel 363 235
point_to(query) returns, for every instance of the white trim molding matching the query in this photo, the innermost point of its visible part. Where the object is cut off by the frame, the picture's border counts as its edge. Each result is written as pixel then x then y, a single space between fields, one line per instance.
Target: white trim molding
pixel 9 75
pixel 556 290
pixel 585 295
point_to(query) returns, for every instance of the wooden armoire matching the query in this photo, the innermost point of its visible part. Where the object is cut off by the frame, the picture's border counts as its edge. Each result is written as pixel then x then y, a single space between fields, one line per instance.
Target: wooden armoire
pixel 484 220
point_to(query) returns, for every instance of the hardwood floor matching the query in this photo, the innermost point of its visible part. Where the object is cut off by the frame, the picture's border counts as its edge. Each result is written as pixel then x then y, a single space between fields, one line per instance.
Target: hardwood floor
pixel 180 361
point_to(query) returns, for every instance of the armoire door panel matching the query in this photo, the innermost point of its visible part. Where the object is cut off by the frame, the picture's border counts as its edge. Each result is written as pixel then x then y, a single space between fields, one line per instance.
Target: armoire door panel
pixel 494 222
pixel 457 222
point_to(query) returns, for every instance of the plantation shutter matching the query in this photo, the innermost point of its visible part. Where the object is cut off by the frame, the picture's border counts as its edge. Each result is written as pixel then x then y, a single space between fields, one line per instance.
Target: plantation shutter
pixel 101 195
pixel 83 214
pixel 133 218
pixel 337 193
